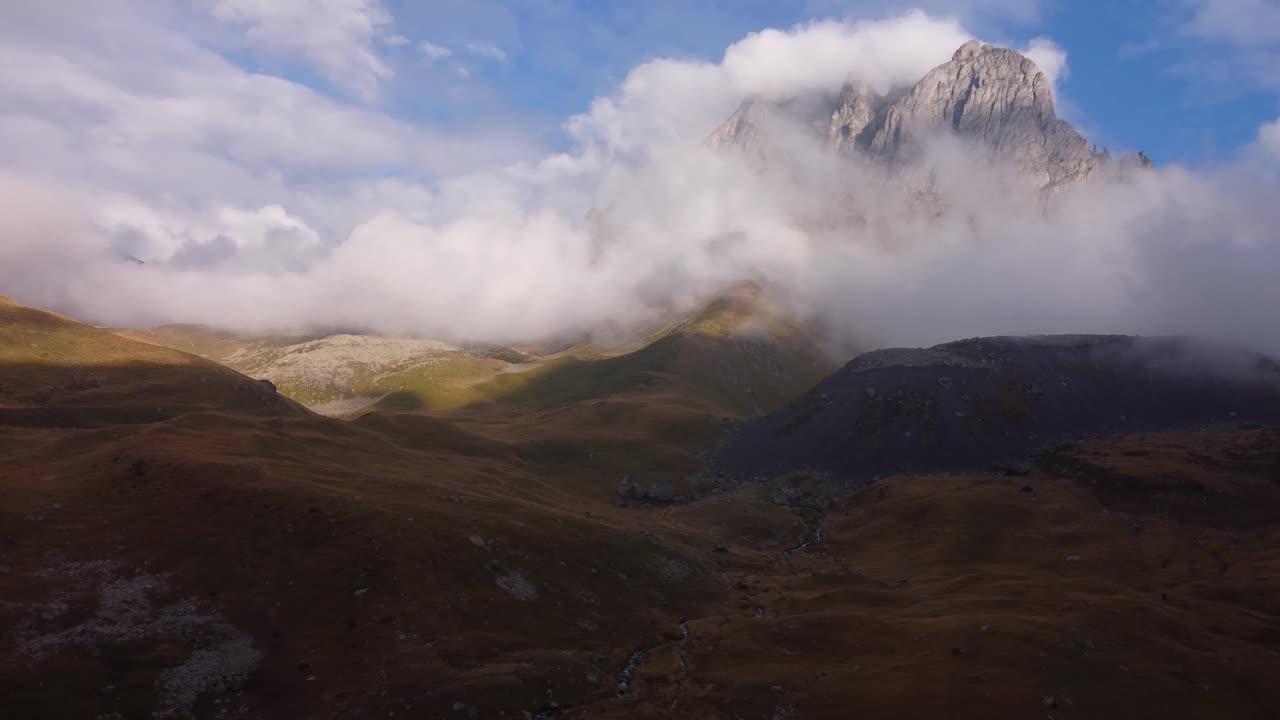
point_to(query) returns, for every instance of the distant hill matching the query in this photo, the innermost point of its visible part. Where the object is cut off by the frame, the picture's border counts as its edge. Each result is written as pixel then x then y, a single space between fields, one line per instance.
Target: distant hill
pixel 54 370
pixel 740 354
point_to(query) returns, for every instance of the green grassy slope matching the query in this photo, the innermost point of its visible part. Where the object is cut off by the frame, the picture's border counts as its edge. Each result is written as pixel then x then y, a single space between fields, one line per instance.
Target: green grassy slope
pixel 738 355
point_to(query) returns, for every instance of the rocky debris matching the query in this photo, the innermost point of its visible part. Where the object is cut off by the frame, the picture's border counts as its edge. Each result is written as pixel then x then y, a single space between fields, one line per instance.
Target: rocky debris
pixel 886 412
pixel 805 491
pixel 657 491
pixel 518 585
pixel 221 665
pixel 221 655
pixel 673 569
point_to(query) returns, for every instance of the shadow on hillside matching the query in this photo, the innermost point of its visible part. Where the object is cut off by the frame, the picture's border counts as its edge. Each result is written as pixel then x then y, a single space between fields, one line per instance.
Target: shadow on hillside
pixel 402 401
pixel 50 394
pixel 733 376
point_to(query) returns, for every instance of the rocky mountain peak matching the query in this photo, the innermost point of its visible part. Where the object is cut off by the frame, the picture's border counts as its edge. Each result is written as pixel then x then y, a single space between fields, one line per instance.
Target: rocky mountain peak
pixel 971 49
pixel 997 97
pixel 740 129
pixel 994 97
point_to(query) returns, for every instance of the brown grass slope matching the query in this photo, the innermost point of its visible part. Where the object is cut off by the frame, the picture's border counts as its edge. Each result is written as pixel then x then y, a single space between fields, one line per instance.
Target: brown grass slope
pixel 246 561
pixel 1131 577
pixel 152 561
pixel 55 371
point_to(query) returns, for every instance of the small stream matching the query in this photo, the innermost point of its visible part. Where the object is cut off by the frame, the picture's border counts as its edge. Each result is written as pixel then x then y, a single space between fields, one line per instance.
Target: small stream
pixel 628 671
pixel 817 538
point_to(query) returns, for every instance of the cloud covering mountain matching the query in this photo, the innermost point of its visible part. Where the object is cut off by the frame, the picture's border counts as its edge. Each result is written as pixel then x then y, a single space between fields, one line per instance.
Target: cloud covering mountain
pixel 256 202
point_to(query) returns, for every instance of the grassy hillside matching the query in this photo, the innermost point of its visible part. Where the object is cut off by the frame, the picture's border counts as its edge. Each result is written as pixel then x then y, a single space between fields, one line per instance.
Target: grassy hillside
pixel 293 563
pixel 230 558
pixel 55 370
pixel 738 355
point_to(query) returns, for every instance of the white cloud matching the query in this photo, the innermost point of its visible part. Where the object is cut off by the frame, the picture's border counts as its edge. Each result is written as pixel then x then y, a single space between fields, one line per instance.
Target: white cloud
pixel 154 135
pixel 488 51
pixel 257 202
pixel 337 37
pixel 1269 139
pixel 669 100
pixel 1243 23
pixel 1244 39
pixel 434 51
pixel 818 56
pixel 1050 58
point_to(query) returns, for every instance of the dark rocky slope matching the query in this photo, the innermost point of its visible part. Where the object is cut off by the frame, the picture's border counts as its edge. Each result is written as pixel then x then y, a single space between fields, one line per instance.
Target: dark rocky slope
pixel 972 404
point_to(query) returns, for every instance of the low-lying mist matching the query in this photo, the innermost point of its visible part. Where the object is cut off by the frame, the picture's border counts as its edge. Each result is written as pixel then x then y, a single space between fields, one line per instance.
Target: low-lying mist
pixel 639 217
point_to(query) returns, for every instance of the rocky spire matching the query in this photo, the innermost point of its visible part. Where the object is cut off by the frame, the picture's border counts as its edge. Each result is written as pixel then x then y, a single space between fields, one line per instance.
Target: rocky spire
pixel 856 111
pixel 741 129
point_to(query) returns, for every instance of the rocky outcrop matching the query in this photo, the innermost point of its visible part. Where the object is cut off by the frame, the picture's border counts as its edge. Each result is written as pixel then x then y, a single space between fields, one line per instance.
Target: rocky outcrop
pixel 763 128
pixel 658 491
pixel 742 129
pixel 856 112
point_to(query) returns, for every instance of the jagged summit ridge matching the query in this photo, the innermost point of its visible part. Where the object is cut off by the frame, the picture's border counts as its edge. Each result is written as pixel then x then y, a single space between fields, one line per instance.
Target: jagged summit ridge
pixel 994 97
pixel 999 98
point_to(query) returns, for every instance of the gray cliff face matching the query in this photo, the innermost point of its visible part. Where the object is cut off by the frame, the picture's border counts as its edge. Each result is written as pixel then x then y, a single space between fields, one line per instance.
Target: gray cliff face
pixel 742 129
pixel 856 111
pixel 762 129
pixel 997 97
pixel 993 97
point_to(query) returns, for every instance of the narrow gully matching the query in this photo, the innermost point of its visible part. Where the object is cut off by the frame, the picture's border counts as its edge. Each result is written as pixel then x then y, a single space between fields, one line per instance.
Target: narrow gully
pixel 817 538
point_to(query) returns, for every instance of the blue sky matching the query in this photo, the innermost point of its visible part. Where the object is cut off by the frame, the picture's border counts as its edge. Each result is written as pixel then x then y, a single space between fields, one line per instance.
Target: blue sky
pixel 1165 77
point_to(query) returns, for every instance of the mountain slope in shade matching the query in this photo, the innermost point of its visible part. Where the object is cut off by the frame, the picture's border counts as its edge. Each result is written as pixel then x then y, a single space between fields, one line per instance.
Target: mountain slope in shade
pixel 54 370
pixel 970 404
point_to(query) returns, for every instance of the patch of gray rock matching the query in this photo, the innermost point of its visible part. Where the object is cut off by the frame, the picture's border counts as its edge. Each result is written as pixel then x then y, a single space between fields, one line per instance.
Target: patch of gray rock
pixel 657 491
